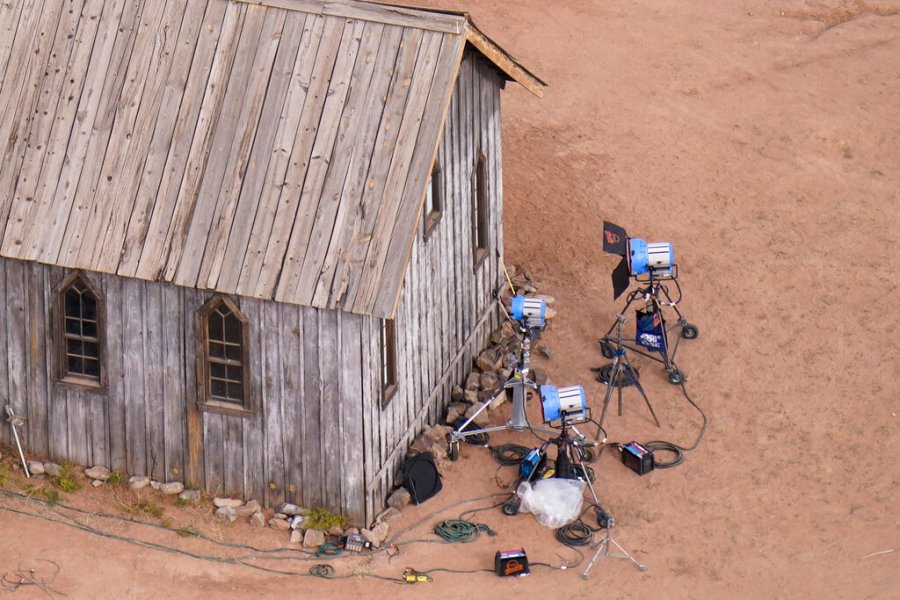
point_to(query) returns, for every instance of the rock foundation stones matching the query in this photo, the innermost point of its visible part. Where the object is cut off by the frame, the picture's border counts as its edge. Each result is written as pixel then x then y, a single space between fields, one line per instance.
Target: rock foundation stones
pixel 494 365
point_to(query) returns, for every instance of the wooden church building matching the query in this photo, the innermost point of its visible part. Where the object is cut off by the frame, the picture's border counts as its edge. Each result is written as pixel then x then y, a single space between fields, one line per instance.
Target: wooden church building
pixel 246 245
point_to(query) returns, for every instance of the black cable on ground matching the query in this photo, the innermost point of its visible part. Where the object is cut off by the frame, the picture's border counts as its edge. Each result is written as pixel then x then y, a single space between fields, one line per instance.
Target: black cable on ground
pixel 604 375
pixel 240 560
pixel 468 513
pixel 575 534
pixel 321 570
pixel 446 570
pixel 509 455
pixel 187 533
pixel 393 539
pixel 664 446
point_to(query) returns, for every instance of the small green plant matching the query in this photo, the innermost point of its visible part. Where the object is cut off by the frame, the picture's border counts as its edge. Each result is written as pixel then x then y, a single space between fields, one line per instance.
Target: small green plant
pixel 50 495
pixel 4 474
pixel 179 501
pixel 143 506
pixel 66 481
pixel 167 523
pixel 115 479
pixel 323 519
pixel 186 532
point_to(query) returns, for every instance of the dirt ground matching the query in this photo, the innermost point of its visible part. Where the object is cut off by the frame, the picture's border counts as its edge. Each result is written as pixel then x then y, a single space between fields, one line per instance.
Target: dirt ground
pixel 763 140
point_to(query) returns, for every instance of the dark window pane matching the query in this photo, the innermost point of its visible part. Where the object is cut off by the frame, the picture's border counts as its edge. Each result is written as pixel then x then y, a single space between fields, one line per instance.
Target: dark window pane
pixel 88 306
pixel 233 352
pixel 91 349
pixel 217 370
pixel 92 367
pixel 235 374
pixel 235 391
pixel 81 331
pixel 88 329
pixel 216 350
pixel 215 327
pixel 73 303
pixel 217 387
pixel 73 326
pixel 75 365
pixel 232 329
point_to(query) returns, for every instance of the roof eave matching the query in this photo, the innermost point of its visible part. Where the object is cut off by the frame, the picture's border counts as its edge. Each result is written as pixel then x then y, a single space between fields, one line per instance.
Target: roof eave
pixel 513 69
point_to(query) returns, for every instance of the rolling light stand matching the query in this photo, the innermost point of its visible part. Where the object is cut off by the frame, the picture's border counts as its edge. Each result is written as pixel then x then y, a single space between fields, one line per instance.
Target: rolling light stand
pixel 648 263
pixel 656 347
pixel 621 374
pixel 529 316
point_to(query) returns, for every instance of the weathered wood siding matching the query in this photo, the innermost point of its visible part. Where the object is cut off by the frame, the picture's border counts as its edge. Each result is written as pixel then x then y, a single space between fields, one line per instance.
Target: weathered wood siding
pixel 308 392
pixel 273 152
pixel 446 310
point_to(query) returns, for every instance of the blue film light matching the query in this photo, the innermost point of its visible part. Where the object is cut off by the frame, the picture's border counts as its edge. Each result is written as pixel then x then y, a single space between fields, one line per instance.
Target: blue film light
pixel 565 403
pixel 531 311
pixel 651 256
pixel 639 264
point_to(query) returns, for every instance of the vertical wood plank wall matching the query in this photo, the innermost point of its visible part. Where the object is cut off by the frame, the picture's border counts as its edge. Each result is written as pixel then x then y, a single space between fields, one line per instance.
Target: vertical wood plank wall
pixel 446 310
pixel 318 435
pixel 302 443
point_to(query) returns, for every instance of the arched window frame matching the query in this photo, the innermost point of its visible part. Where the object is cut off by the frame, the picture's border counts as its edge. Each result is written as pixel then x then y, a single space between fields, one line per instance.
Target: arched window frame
pixel 206 399
pixel 61 339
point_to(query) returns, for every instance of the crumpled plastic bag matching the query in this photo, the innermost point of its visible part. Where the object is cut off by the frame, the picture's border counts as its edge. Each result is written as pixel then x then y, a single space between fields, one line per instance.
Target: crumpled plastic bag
pixel 554 502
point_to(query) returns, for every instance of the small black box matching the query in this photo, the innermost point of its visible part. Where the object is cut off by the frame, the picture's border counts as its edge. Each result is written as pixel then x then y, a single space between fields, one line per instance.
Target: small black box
pixel 637 458
pixel 512 563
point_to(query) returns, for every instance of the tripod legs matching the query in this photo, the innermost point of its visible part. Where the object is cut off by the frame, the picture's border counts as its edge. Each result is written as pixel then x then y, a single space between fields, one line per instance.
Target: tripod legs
pixel 604 548
pixel 621 370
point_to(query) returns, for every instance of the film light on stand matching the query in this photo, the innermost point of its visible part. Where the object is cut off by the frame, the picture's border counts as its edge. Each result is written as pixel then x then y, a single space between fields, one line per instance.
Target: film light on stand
pixel 566 404
pixel 531 312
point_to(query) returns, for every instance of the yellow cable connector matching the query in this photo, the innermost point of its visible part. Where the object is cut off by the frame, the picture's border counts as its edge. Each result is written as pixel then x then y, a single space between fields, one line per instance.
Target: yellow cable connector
pixel 413 576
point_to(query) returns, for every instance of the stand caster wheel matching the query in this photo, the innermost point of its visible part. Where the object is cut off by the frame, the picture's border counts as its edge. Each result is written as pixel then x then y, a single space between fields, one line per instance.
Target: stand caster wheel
pixel 606 349
pixel 689 331
pixel 585 576
pixel 642 567
pixel 675 377
pixel 511 508
pixel 453 450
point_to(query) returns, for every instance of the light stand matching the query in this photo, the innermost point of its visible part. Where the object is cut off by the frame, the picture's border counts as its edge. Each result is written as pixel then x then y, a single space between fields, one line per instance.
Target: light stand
pixel 656 295
pixel 605 547
pixel 620 372
pixel 570 450
pixel 519 384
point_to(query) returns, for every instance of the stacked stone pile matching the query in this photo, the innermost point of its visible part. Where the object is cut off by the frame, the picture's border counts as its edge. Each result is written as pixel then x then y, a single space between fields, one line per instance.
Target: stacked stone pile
pixel 495 364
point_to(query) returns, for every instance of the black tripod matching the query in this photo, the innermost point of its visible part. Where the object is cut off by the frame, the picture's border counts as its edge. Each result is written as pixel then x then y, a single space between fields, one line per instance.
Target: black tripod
pixel 656 295
pixel 571 454
pixel 621 374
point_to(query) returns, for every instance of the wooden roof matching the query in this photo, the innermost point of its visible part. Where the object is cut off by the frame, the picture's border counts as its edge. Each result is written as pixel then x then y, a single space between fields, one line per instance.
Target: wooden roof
pixel 276 149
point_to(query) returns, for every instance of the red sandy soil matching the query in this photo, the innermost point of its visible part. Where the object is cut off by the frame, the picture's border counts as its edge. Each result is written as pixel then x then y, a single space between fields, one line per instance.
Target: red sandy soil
pixel 762 139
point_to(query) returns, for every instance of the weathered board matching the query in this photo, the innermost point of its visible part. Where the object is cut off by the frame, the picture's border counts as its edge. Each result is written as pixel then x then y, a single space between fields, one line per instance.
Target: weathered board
pixel 446 310
pixel 302 441
pixel 274 149
pixel 331 179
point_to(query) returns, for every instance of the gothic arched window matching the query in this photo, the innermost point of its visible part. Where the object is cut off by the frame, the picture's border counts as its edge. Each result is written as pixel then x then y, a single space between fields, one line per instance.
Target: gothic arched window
pixel 224 360
pixel 80 330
